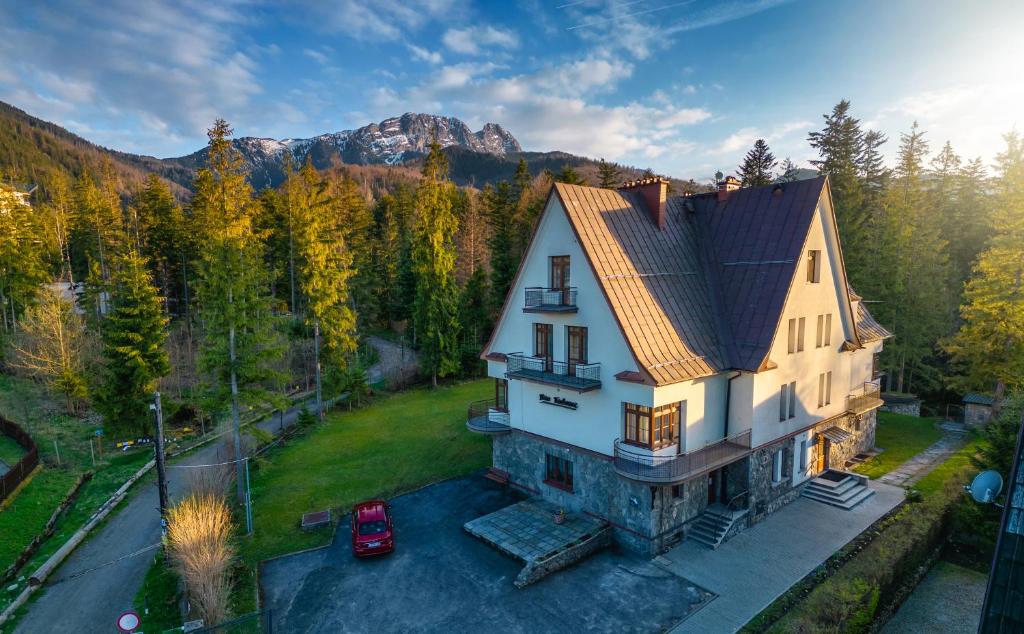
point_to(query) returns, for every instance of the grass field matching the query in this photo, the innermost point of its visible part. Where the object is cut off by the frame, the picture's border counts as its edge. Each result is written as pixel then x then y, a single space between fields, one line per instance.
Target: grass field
pixel 902 437
pixel 10 451
pixel 398 443
pixel 957 465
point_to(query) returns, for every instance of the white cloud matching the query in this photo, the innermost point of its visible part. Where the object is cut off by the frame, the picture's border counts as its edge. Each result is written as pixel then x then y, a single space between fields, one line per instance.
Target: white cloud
pixel 377 20
pixel 473 40
pixel 317 56
pixel 426 55
pixel 743 139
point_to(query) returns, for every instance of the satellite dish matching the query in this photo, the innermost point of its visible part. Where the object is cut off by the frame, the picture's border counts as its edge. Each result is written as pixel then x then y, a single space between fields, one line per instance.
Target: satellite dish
pixel 986 486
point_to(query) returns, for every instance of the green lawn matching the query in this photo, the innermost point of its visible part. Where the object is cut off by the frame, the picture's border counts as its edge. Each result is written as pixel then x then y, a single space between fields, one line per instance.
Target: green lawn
pixel 398 443
pixel 10 451
pixel 157 599
pixel 957 465
pixel 902 437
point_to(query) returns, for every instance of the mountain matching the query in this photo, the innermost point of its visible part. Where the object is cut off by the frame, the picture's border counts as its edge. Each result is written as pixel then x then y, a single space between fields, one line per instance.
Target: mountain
pixel 393 141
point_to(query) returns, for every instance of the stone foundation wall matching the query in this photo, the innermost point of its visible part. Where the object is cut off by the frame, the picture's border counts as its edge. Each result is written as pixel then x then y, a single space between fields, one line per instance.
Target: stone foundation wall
pixel 766 496
pixel 645 518
pixel 976 415
pixel 899 404
pixel 862 429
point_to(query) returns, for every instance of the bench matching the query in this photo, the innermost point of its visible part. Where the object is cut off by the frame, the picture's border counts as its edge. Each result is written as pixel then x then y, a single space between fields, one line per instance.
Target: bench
pixel 497 475
pixel 311 521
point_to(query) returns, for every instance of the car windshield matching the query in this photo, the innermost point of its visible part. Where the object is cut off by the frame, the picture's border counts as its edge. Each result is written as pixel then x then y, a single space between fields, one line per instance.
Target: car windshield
pixel 372 528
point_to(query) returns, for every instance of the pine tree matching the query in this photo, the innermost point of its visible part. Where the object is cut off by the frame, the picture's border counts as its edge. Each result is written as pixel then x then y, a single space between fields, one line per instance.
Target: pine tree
pixel 22 257
pixel 609 175
pixel 239 343
pixel 570 176
pixel 758 167
pixel 134 336
pixel 163 228
pixel 988 349
pixel 789 171
pixel 471 239
pixel 475 309
pixel 435 309
pixel 874 176
pixel 499 205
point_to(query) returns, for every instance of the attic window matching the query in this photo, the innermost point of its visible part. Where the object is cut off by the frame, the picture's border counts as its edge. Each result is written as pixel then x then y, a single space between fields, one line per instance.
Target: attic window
pixel 814 266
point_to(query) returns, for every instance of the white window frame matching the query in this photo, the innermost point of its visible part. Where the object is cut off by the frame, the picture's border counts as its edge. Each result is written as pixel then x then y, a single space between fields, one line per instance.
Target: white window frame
pixel 777 466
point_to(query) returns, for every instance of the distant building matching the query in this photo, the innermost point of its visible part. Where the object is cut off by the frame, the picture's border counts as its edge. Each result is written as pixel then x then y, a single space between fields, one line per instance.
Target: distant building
pixel 661 362
pixel 1003 611
pixel 977 408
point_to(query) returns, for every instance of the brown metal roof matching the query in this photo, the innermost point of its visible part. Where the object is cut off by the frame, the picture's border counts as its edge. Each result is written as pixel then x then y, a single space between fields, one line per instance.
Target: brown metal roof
pixel 704 294
pixel 868 329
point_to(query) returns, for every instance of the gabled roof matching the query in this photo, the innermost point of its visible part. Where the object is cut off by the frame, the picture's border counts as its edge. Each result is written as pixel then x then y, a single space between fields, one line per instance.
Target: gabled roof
pixel 704 294
pixel 868 329
pixel 974 398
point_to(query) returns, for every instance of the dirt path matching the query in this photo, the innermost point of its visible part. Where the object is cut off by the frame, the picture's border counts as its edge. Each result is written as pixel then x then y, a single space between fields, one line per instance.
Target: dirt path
pixel 397 365
pixel 911 471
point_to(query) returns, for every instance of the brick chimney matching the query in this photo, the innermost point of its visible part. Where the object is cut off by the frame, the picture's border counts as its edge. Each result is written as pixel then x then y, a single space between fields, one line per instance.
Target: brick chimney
pixel 654 192
pixel 726 187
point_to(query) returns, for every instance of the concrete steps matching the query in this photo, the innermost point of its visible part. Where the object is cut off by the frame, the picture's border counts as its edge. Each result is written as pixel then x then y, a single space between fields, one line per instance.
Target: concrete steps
pixel 713 525
pixel 842 492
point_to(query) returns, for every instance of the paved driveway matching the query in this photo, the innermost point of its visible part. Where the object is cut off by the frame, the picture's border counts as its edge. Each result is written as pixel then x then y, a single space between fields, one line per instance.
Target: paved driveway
pixel 440 579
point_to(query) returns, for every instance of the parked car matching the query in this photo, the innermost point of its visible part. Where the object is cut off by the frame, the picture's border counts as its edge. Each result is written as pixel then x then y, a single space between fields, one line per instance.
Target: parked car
pixel 372 530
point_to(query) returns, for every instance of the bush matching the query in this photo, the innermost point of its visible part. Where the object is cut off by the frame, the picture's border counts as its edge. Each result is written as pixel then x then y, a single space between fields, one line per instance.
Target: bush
pixel 198 542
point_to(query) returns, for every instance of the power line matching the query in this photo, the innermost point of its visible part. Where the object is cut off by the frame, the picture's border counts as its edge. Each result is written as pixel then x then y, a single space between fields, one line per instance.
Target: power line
pixel 86 571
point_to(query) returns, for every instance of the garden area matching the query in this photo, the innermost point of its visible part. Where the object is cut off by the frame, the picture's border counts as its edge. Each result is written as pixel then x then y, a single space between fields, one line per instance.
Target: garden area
pixel 902 437
pixel 394 444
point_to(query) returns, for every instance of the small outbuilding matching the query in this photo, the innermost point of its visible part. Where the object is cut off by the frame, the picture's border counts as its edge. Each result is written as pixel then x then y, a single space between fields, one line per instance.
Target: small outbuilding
pixel 977 408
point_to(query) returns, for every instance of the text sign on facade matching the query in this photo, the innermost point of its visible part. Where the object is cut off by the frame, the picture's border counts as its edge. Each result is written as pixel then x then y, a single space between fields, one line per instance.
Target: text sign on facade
pixel 558 401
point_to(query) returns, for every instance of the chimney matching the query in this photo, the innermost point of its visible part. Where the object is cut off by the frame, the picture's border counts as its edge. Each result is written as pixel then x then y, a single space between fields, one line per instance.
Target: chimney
pixel 726 187
pixel 653 191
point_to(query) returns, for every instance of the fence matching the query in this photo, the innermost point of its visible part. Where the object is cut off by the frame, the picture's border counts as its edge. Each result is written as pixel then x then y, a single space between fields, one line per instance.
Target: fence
pixel 252 623
pixel 10 480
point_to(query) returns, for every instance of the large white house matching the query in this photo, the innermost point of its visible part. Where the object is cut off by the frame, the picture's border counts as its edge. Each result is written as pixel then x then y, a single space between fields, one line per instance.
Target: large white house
pixel 660 361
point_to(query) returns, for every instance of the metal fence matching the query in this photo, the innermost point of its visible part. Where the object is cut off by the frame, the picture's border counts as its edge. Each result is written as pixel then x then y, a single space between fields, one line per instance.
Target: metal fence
pixel 19 471
pixel 252 623
pixel 581 376
pixel 484 417
pixel 555 298
pixel 676 468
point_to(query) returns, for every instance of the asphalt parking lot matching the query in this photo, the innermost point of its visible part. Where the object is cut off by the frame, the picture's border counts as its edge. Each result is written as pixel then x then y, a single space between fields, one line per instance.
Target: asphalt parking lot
pixel 441 579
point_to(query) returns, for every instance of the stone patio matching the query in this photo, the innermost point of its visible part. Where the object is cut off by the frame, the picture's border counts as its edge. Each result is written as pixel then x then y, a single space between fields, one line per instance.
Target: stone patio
pixel 527 530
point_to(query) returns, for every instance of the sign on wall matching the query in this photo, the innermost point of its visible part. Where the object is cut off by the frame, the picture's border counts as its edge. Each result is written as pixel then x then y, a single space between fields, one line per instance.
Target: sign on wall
pixel 558 401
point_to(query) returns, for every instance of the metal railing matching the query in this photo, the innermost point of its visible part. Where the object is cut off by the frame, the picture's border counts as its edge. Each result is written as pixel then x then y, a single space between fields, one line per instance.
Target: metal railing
pixel 484 417
pixel 866 397
pixel 551 299
pixel 647 467
pixel 577 376
pixel 738 501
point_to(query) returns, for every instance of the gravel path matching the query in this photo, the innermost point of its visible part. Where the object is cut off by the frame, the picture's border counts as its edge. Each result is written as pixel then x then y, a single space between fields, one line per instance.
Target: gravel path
pixel 948 600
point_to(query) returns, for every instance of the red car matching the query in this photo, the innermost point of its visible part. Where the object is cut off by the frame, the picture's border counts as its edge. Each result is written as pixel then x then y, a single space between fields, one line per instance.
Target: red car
pixel 372 531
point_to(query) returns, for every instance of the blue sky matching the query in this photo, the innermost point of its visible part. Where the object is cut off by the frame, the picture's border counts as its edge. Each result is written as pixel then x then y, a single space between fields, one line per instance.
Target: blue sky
pixel 684 87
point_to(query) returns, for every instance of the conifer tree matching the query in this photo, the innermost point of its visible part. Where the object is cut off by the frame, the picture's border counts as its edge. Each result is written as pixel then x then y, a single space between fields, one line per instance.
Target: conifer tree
pixel 239 343
pixel 570 176
pixel 22 257
pixel 789 171
pixel 988 349
pixel 608 174
pixel 758 167
pixel 134 336
pixel 433 257
pixel 499 205
pixel 163 228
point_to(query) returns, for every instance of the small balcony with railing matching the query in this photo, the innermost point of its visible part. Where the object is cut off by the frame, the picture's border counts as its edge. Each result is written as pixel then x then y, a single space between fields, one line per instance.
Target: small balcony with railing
pixel 581 377
pixel 644 466
pixel 550 300
pixel 864 398
pixel 484 417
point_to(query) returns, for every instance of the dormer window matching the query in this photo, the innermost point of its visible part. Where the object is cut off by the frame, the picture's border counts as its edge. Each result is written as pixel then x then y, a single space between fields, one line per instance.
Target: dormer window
pixel 814 266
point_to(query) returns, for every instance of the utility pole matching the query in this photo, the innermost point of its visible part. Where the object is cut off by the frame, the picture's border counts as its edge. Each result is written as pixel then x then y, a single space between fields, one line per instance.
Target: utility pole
pixel 236 420
pixel 316 347
pixel 161 473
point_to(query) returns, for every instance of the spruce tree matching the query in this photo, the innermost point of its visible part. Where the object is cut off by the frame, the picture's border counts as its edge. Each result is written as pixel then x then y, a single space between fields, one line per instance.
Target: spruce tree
pixel 758 167
pixel 433 257
pixel 239 344
pixel 608 173
pixel 498 206
pixel 163 229
pixel 988 349
pixel 570 176
pixel 22 257
pixel 789 171
pixel 134 337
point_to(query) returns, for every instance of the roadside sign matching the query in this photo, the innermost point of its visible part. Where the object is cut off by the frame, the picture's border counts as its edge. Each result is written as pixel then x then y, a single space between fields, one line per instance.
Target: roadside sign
pixel 99 432
pixel 128 622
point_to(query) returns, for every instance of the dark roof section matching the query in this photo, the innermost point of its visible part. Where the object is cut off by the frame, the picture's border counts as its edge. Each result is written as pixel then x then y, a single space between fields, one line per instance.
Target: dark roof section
pixel 754 245
pixel 974 398
pixel 867 328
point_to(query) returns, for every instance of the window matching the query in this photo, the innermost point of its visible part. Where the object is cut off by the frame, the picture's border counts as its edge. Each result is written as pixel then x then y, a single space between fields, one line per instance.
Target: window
pixel 825 388
pixel 501 395
pixel 792 337
pixel 576 340
pixel 813 266
pixel 803 456
pixel 787 401
pixel 677 491
pixel 543 343
pixel 876 368
pixel 777 466
pixel 560 271
pixel 824 336
pixel 800 335
pixel 653 428
pixel 558 472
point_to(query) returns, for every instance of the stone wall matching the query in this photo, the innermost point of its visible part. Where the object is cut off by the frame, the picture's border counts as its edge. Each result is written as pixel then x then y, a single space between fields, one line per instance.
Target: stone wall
pixel 862 429
pixel 902 404
pixel 976 415
pixel 535 571
pixel 645 518
pixel 766 496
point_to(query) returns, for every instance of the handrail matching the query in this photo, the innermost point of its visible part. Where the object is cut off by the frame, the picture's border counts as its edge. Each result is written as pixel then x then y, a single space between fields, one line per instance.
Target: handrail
pixel 731 503
pixel 578 375
pixel 679 467
pixel 549 297
pixel 870 396
pixel 484 417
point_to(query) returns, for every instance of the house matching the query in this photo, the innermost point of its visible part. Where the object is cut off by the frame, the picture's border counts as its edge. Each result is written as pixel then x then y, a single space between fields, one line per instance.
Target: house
pixel 977 408
pixel 661 357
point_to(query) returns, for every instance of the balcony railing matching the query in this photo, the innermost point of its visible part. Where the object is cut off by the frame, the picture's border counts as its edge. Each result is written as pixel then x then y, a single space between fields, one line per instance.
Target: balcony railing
pixel 550 300
pixel 485 418
pixel 581 377
pixel 866 398
pixel 645 467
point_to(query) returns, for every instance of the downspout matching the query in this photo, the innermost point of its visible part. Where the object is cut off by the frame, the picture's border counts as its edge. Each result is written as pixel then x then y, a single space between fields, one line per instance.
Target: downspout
pixel 728 403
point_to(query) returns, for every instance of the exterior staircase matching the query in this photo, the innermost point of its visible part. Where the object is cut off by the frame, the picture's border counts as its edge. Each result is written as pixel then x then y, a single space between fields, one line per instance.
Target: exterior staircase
pixel 713 525
pixel 838 488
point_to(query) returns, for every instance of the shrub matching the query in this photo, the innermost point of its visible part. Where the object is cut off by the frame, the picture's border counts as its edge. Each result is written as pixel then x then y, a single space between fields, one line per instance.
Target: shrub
pixel 198 542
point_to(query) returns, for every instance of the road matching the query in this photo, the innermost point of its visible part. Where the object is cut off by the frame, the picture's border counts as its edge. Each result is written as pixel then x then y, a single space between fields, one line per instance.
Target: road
pixel 75 601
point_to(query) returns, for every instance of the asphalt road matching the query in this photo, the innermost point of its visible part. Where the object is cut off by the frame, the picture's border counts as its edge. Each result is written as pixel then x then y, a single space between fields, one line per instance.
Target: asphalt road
pixel 88 592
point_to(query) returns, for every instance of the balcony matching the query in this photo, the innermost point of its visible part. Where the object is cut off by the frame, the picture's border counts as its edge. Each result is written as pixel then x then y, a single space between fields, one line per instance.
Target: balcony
pixel 550 300
pixel 484 418
pixel 581 377
pixel 864 399
pixel 645 467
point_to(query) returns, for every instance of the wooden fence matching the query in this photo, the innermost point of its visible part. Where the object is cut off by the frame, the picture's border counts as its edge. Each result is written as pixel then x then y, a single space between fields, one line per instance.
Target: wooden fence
pixel 10 480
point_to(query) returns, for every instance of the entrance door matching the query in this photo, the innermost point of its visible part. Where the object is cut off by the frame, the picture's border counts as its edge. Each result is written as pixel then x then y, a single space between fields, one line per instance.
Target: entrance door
pixel 822 451
pixel 560 276
pixel 713 477
pixel 543 344
pixel 576 337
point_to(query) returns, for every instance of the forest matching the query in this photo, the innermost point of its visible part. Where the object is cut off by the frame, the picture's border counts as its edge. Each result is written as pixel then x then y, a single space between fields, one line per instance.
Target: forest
pixel 224 297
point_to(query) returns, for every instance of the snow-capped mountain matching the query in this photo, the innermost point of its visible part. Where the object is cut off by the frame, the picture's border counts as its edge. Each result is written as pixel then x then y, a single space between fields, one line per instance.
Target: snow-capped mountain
pixel 391 141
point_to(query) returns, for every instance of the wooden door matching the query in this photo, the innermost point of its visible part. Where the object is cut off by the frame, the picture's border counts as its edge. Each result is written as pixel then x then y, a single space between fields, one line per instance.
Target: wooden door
pixel 822 451
pixel 560 276
pixel 501 395
pixel 543 344
pixel 576 338
pixel 713 478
